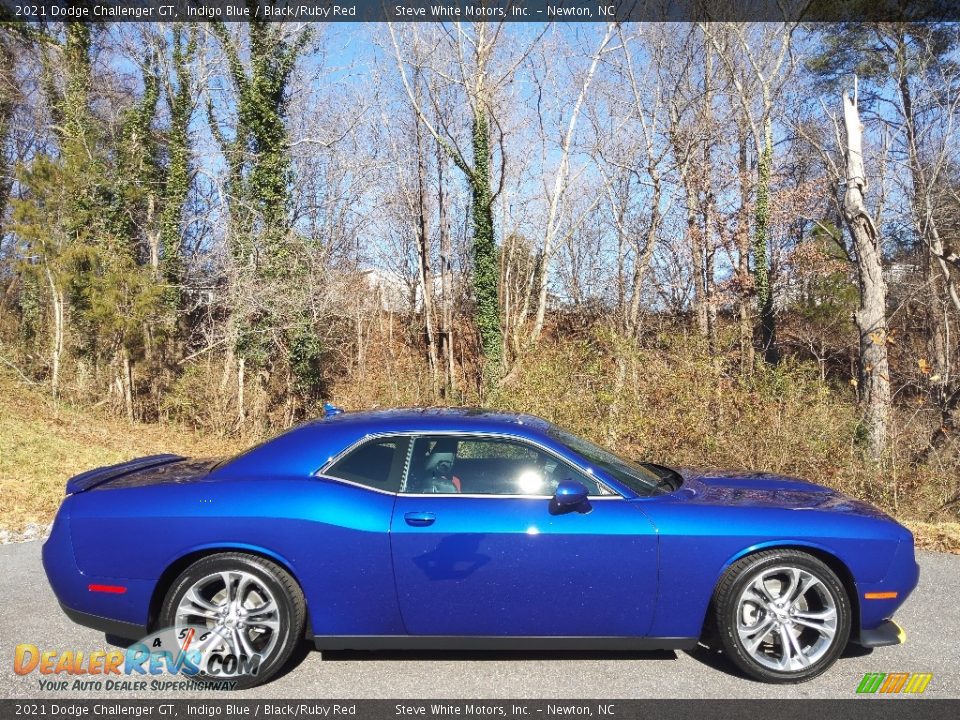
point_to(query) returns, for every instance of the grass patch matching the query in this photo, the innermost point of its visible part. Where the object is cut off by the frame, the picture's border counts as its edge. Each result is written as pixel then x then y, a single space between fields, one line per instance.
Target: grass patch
pixel 42 445
pixel 941 537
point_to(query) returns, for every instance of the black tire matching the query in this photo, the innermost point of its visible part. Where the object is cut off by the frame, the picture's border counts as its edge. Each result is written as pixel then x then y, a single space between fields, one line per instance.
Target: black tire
pixel 727 610
pixel 285 590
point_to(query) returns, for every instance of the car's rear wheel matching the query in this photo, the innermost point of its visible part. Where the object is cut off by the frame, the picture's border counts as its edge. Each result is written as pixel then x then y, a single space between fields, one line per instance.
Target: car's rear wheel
pixel 782 616
pixel 242 614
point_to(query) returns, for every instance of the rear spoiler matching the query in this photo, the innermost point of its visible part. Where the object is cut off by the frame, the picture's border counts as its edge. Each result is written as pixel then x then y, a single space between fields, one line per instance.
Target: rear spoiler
pixel 98 476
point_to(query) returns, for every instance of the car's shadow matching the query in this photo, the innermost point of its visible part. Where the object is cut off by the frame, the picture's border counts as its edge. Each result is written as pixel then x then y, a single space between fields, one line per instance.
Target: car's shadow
pixel 714 659
pixel 120 642
pixel 300 653
pixel 493 655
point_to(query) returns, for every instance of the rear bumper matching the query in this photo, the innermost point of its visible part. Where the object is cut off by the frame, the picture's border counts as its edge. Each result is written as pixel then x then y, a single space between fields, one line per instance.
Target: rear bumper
pixel 118 628
pixel 123 614
pixel 887 633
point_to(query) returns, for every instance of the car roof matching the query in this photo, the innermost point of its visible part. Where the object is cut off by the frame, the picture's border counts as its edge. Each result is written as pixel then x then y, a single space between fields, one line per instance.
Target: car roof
pixel 424 419
pixel 304 448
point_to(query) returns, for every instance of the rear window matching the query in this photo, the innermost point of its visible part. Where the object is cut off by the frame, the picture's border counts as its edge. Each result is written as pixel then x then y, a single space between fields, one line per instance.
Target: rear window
pixel 376 464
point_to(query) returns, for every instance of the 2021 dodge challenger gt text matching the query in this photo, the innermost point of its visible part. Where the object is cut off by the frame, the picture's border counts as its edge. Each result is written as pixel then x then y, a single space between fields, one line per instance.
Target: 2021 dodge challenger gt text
pixel 469 529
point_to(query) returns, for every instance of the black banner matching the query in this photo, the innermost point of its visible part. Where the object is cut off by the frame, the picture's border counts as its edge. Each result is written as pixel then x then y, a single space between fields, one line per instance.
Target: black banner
pixel 478 10
pixel 875 708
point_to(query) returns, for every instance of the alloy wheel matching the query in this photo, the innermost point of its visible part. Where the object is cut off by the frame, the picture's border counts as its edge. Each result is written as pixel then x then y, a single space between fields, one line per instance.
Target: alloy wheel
pixel 240 611
pixel 786 618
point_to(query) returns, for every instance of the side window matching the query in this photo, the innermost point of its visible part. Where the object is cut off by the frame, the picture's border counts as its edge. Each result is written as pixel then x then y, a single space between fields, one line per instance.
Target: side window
pixel 377 464
pixel 487 466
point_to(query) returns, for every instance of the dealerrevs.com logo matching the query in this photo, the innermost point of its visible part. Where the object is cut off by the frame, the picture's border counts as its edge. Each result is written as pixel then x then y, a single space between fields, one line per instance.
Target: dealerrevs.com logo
pixel 198 655
pixel 894 683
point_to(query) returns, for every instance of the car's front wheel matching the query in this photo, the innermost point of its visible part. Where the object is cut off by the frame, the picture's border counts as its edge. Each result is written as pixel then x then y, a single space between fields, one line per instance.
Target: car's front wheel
pixel 241 615
pixel 783 616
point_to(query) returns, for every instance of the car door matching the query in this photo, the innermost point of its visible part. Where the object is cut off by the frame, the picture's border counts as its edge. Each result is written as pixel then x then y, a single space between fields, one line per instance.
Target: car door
pixel 480 550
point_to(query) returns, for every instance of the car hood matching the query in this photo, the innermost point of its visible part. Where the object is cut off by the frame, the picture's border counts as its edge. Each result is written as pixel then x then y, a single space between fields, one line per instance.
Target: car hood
pixel 763 489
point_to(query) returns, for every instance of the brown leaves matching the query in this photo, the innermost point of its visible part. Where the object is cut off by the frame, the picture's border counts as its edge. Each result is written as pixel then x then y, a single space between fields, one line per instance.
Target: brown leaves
pixel 925 368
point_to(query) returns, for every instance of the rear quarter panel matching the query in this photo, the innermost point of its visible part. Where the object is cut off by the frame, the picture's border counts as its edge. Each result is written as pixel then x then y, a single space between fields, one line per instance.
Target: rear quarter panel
pixel 332 537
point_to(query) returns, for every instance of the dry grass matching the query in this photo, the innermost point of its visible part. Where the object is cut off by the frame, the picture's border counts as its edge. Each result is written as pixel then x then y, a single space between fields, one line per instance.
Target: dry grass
pixel 942 537
pixel 42 445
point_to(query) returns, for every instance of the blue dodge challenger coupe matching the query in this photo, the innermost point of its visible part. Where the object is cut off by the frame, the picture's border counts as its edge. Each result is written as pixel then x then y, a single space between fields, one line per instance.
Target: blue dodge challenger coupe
pixel 469 529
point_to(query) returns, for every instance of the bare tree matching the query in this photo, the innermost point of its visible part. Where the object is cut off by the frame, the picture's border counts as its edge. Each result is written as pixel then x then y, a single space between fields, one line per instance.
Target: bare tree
pixel 759 62
pixel 561 179
pixel 631 156
pixel 871 318
pixel 472 66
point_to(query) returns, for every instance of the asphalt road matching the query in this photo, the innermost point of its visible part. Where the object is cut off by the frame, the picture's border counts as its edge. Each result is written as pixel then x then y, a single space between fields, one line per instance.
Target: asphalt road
pixel 931 618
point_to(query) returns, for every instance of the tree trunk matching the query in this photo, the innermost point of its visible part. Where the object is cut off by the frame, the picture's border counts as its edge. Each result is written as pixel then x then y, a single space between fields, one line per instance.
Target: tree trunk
pixel 486 276
pixel 9 92
pixel 936 285
pixel 761 251
pixel 127 382
pixel 696 242
pixel 624 298
pixel 643 255
pixel 559 187
pixel 948 426
pixel 241 410
pixel 871 318
pixel 423 257
pixel 709 255
pixel 695 179
pixel 446 282
pixel 743 268
pixel 708 206
pixel 153 236
pixel 56 307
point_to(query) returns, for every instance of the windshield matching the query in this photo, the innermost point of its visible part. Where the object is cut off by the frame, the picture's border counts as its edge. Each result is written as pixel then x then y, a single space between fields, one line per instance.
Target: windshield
pixel 636 477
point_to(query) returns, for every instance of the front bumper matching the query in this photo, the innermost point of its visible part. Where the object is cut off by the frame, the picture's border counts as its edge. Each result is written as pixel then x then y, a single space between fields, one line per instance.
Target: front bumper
pixel 887 633
pixel 880 601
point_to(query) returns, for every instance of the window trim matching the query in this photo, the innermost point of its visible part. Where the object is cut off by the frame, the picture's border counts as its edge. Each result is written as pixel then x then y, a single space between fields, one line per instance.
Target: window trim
pixel 341 481
pixel 414 434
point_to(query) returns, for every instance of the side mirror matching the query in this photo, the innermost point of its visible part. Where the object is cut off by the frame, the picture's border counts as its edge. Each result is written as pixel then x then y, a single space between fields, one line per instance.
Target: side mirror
pixel 569 494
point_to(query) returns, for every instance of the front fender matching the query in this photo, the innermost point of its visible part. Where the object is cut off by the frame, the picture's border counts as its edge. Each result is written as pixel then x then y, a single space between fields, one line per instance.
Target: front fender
pixel 699 542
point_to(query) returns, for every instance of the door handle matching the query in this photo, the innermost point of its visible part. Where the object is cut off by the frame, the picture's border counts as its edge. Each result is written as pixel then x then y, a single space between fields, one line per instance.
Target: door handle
pixel 420 519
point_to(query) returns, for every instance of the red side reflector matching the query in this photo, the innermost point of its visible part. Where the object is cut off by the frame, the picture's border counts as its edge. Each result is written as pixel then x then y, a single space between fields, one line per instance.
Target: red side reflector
pixel 116 589
pixel 880 595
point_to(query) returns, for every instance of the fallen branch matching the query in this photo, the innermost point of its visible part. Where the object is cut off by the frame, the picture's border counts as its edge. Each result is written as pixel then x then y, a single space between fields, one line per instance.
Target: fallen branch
pixel 201 352
pixel 17 370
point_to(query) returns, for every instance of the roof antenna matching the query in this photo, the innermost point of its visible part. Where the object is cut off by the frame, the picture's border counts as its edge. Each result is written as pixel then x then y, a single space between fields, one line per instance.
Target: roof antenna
pixel 331 410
